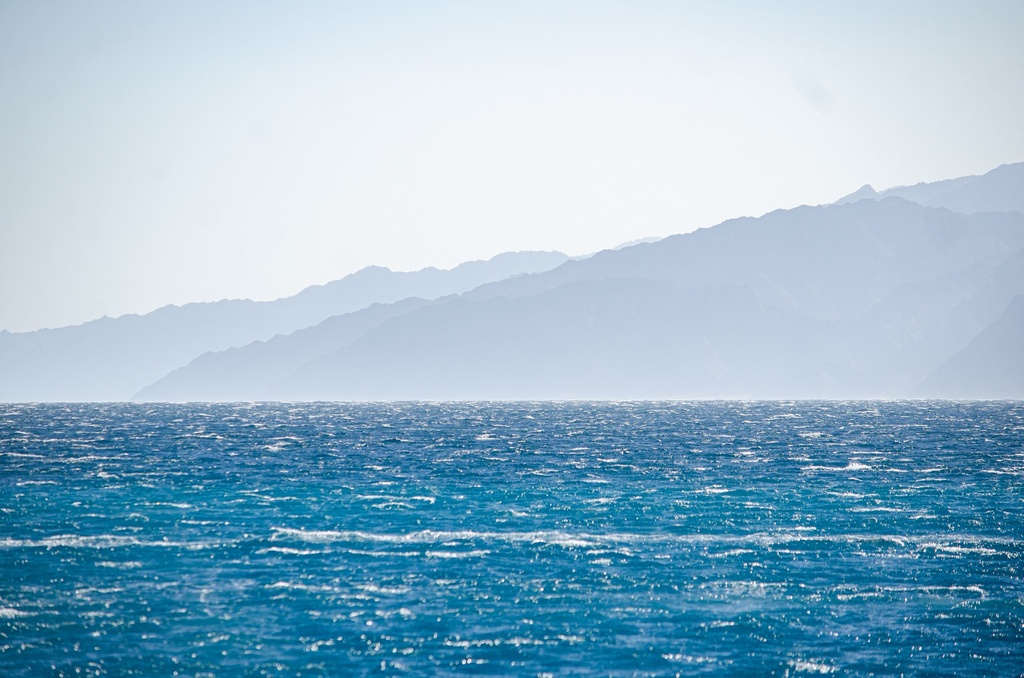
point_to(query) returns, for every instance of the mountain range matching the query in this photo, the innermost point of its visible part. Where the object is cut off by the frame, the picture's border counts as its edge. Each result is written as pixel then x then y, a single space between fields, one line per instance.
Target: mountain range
pixel 996 191
pixel 113 358
pixel 909 292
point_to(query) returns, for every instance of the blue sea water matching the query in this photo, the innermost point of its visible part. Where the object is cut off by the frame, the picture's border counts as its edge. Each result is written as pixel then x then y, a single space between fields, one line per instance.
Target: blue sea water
pixel 729 538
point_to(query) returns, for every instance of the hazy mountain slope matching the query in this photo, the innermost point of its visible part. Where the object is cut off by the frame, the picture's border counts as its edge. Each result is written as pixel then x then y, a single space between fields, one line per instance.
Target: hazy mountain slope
pixel 248 372
pixel 603 339
pixel 633 338
pixel 991 366
pixel 860 300
pixel 377 285
pixel 1000 190
pixel 111 359
pixel 107 359
pixel 830 262
pixel 897 343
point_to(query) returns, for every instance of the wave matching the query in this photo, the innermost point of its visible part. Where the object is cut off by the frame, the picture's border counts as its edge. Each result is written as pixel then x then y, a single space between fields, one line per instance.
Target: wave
pixel 961 544
pixel 103 541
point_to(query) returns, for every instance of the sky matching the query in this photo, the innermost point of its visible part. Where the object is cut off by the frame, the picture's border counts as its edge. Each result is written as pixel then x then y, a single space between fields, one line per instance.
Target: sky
pixel 168 152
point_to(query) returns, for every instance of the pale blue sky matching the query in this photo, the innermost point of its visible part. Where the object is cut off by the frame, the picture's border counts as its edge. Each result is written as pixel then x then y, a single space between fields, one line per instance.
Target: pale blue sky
pixel 165 152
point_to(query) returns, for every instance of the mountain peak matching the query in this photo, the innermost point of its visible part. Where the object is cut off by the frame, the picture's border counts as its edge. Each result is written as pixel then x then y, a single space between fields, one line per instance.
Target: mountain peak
pixel 865 192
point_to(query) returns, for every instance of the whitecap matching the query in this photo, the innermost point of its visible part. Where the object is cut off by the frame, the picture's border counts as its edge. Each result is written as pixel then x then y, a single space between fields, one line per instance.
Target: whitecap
pixel 950 548
pixel 101 541
pixel 476 553
pixel 437 536
pixel 851 466
pixel 387 590
pixel 12 613
pixel 289 551
pixel 127 565
pixel 811 666
pixel 730 553
pixel 396 498
pixel 298 586
pixel 713 489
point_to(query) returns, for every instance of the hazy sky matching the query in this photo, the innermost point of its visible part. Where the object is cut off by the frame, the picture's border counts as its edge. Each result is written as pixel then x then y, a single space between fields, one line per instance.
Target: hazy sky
pixel 165 152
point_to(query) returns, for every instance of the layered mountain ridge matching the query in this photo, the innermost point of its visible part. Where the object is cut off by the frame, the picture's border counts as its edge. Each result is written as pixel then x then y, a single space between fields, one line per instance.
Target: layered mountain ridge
pixel 663 321
pixel 113 358
pixel 994 191
pixel 910 292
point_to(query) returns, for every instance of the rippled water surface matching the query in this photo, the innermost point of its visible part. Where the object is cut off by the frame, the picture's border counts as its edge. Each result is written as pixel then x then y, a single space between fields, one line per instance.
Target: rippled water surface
pixel 522 539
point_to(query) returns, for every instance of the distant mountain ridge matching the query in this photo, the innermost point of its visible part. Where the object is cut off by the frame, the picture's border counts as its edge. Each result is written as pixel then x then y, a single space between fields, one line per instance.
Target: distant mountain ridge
pixel 991 366
pixel 860 300
pixel 996 191
pixel 113 358
pixel 911 292
pixel 828 262
pixel 643 329
pixel 249 372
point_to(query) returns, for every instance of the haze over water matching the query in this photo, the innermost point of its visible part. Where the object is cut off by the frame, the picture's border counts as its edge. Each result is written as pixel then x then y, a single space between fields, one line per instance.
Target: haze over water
pixel 770 538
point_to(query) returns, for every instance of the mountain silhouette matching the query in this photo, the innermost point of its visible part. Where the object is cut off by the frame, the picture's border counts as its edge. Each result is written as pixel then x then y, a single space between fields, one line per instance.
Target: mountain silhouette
pixel 249 372
pixel 856 300
pixel 113 358
pixel 850 301
pixel 990 367
pixel 906 292
pixel 995 191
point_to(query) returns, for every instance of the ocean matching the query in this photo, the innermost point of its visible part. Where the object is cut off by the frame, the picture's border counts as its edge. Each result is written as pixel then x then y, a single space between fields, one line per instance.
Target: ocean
pixel 576 538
